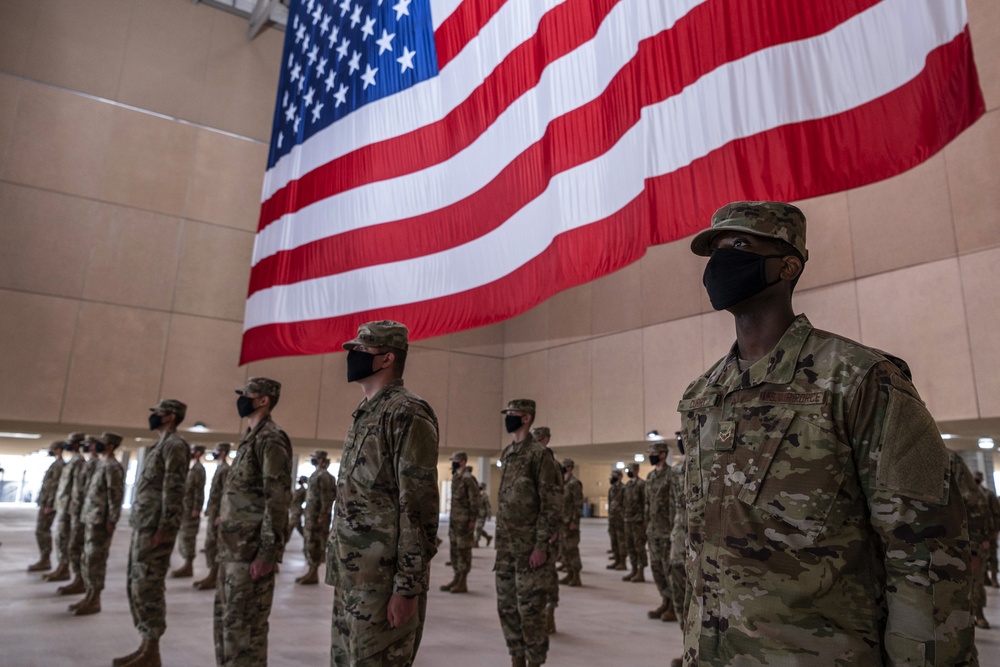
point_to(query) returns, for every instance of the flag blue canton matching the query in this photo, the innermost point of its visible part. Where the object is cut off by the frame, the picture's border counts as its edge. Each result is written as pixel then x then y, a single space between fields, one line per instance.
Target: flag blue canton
pixel 341 55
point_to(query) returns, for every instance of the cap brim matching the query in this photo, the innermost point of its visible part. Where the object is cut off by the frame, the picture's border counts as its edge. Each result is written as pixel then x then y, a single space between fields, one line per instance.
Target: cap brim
pixel 701 244
pixel 353 343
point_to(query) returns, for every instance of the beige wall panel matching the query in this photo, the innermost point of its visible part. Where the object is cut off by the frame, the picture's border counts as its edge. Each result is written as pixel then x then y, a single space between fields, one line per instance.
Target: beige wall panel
pixel 241 77
pixel 474 392
pixel 116 367
pixel 18 19
pixel 570 315
pixel 337 399
pixel 903 221
pixel 60 141
pixel 594 478
pixel 149 162
pixel 671 282
pixel 80 45
pixel 225 180
pixel 133 260
pixel 37 334
pixel 47 239
pixel 570 394
pixel 617 300
pixel 672 359
pixel 984 25
pixel 528 332
pixel 300 382
pixel 166 57
pixel 10 95
pixel 918 314
pixel 980 279
pixel 427 376
pixel 214 271
pixel 487 341
pixel 526 376
pixel 435 343
pixel 974 180
pixel 618 380
pixel 718 333
pixel 833 308
pixel 202 369
pixel 828 239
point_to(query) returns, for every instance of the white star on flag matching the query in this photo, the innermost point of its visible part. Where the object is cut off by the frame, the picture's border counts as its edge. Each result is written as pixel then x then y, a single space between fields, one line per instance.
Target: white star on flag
pixel 356 16
pixel 308 99
pixel 290 114
pixel 385 41
pixel 340 96
pixel 368 29
pixel 325 25
pixel 334 36
pixel 345 7
pixel 406 60
pixel 316 111
pixel 313 54
pixel 296 72
pixel 305 44
pixel 369 76
pixel 355 63
pixel 342 49
pixel 321 68
pixel 329 80
pixel 402 7
pixel 300 33
pixel 317 15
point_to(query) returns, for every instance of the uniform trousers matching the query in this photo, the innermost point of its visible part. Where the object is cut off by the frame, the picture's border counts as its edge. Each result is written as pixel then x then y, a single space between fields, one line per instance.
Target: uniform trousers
pixel 43 533
pixel 240 618
pixel 522 595
pixel 147 569
pixel 94 564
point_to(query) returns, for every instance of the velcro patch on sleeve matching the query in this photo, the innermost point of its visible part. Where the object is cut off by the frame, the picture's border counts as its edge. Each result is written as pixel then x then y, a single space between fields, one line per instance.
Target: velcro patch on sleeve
pixel 913 461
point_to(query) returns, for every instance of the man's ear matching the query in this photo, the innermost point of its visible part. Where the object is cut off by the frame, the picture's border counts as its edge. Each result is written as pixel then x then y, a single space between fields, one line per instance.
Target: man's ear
pixel 791 267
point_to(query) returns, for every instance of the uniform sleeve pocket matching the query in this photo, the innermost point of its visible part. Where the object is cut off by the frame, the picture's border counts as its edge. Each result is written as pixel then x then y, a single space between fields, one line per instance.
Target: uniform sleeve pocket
pixel 913 460
pixel 905 651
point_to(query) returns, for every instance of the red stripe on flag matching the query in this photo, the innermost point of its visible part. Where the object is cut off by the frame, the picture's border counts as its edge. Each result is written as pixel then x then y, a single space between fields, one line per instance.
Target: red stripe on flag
pixel 462 26
pixel 678 204
pixel 569 140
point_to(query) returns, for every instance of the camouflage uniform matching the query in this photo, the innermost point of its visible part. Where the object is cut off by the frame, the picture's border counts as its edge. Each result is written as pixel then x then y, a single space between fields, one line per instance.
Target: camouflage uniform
pixel 528 516
pixel 991 566
pixel 464 508
pixel 295 510
pixel 69 479
pixel 194 500
pixel 384 527
pixel 634 515
pixel 569 534
pixel 253 520
pixel 616 524
pixel 676 575
pixel 212 511
pixel 979 525
pixel 484 514
pixel 821 528
pixel 659 527
pixel 77 525
pixel 47 501
pixel 320 495
pixel 102 507
pixel 159 490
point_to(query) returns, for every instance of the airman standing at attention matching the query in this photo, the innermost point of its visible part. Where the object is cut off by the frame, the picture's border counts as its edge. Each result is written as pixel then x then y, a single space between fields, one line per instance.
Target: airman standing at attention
pixel 77 534
pixel 484 514
pixel 464 508
pixel 543 436
pixel 676 574
pixel 102 507
pixel 320 495
pixel 295 509
pixel 386 515
pixel 634 515
pixel 221 457
pixel 68 479
pixel 659 526
pixel 194 501
pixel 616 521
pixel 47 508
pixel 156 517
pixel 569 535
pixel 982 524
pixel 821 529
pixel 528 520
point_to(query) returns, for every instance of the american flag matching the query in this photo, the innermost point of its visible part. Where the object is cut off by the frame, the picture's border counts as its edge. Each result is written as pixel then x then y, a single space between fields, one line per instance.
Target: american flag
pixel 452 163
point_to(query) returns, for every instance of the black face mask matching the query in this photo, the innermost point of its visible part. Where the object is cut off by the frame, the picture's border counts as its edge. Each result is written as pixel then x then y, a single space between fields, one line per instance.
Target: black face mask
pixel 654 459
pixel 155 421
pixel 53 453
pixel 99 447
pixel 630 474
pixel 314 462
pixel 244 406
pixel 732 276
pixel 615 480
pixel 512 423
pixel 85 449
pixel 359 365
pixel 455 465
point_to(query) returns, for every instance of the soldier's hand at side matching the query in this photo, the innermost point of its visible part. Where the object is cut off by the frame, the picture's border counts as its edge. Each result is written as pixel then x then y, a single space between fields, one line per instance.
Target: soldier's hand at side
pixel 572 526
pixel 48 510
pixel 194 514
pixel 109 527
pixel 260 569
pixel 400 609
pixel 537 559
pixel 217 520
pixel 158 538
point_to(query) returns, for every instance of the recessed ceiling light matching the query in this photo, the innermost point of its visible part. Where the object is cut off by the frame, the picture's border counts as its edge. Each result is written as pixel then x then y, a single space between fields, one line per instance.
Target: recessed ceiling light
pixel 199 427
pixel 23 436
pixel 620 465
pixel 986 443
pixel 948 436
pixel 639 458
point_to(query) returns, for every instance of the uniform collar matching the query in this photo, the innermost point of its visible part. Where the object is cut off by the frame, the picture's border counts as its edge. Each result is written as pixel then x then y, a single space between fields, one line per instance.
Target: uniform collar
pixel 251 433
pixel 778 367
pixel 369 405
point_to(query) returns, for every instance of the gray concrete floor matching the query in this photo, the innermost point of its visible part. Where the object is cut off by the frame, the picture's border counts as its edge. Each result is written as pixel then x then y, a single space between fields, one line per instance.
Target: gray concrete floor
pixel 602 623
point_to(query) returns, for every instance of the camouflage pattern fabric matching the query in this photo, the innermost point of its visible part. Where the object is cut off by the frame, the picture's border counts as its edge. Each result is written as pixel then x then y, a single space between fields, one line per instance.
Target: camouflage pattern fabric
pixel 212 512
pixel 660 522
pixel 485 512
pixel 991 557
pixel 240 615
pixel 979 524
pixel 385 523
pixel 156 506
pixel 529 513
pixel 102 507
pixel 676 574
pixel 634 515
pixel 820 523
pixel 47 503
pixel 194 499
pixel 464 508
pixel 616 521
pixel 569 538
pixel 295 512
pixel 552 583
pixel 77 526
pixel 321 493
pixel 68 479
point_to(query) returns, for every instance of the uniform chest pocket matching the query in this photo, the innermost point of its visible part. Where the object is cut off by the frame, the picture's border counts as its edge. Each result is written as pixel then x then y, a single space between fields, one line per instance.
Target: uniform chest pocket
pixel 366 458
pixel 792 470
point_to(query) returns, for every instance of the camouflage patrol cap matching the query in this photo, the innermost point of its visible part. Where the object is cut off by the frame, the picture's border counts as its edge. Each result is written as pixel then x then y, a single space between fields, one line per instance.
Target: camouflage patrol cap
pixel 459 456
pixel 568 463
pixel 223 446
pixel 321 455
pixel 109 438
pixel 770 219
pixel 171 405
pixel 90 440
pixel 303 480
pixel 76 437
pixel 659 446
pixel 541 432
pixel 263 386
pixel 520 405
pixel 198 448
pixel 383 333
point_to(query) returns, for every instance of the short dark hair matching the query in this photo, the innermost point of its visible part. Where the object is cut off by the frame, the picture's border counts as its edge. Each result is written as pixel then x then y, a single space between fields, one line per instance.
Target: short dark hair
pixel 398 359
